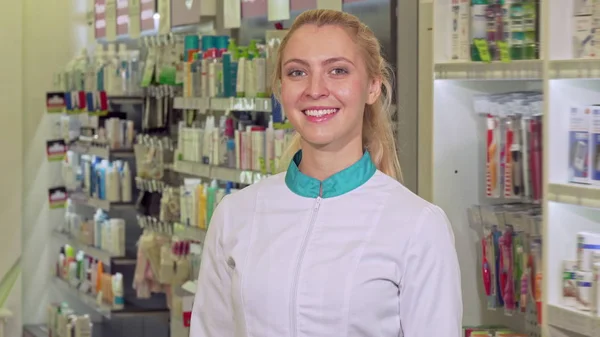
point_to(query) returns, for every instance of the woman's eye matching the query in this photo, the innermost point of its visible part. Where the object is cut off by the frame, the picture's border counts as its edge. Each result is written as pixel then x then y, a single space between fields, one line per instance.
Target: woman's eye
pixel 295 73
pixel 339 71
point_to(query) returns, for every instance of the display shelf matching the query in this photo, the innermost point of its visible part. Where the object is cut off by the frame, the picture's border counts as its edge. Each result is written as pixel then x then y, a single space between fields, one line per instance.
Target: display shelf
pixel 572 320
pixel 80 198
pixel 217 172
pixel 35 331
pixel 575 194
pixel 223 104
pixel 515 70
pixel 574 69
pixel 122 100
pixel 82 147
pixel 90 301
pixel 96 253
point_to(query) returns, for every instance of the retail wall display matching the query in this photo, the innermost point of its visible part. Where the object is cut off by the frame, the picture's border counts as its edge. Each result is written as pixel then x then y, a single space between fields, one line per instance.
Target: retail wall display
pixel 64 321
pixel 510 257
pixel 513 160
pixel 562 166
pixel 494 30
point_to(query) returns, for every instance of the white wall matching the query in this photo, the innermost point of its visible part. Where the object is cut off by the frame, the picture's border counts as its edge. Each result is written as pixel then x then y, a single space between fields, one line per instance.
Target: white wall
pixel 53 32
pixel 11 163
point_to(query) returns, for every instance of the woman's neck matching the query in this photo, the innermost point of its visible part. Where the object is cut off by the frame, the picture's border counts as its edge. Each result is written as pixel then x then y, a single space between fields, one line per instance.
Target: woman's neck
pixel 322 164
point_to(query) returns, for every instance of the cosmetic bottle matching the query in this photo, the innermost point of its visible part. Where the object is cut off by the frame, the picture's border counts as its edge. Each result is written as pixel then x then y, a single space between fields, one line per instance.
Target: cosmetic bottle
pixel 241 72
pixel 117 290
pixel 126 185
pixel 113 188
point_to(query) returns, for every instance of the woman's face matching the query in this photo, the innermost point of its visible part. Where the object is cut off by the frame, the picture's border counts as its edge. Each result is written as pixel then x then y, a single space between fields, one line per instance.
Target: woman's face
pixel 325 86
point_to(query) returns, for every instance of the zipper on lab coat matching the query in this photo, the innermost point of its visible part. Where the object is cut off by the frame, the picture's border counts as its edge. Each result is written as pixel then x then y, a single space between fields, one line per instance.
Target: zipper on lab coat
pixel 294 290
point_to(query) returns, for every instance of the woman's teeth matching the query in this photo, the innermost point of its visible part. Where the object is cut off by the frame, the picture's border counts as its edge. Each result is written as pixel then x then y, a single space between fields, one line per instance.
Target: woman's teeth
pixel 320 112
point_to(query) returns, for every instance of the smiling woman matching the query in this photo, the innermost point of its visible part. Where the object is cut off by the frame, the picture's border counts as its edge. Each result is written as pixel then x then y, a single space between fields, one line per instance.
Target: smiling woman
pixel 335 246
pixel 312 64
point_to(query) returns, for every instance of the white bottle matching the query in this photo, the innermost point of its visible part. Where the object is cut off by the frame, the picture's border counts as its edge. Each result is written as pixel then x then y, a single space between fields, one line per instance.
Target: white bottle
pixel 126 190
pixel 99 219
pixel 113 184
pixel 117 290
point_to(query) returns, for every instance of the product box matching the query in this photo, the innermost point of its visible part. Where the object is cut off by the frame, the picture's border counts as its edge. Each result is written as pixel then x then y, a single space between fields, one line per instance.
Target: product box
pixel 587 244
pixel 594 163
pixel 460 41
pixel 579 137
pixel 582 7
pixel 585 297
pixel 583 37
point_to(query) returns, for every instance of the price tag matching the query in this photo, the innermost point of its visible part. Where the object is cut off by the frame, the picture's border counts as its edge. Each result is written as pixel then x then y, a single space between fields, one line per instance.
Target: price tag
pixel 483 49
pixel 504 51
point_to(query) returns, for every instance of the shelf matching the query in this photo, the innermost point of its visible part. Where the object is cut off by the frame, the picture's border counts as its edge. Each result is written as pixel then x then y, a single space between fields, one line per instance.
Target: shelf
pixel 36 331
pixel 96 253
pixel 100 151
pixel 516 70
pixel 575 69
pixel 223 104
pixel 573 320
pixel 575 194
pixel 80 199
pixel 89 300
pixel 219 173
pixel 122 100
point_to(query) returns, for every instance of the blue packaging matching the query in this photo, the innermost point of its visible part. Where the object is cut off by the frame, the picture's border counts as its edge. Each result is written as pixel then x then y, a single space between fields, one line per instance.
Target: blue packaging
pixel 276 110
pixel 579 144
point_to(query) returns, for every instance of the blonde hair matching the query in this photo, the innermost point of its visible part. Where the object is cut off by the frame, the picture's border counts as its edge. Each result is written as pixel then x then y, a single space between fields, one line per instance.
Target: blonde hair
pixel 377 132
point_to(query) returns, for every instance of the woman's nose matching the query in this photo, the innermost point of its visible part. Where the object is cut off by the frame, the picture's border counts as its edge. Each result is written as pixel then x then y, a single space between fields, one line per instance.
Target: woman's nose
pixel 317 87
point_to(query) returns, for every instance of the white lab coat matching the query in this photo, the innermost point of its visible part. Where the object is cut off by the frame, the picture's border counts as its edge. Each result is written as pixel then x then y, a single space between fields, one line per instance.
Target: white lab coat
pixel 374 261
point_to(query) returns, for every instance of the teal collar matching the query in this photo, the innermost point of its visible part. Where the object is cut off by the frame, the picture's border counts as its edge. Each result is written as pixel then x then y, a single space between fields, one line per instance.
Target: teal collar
pixel 336 185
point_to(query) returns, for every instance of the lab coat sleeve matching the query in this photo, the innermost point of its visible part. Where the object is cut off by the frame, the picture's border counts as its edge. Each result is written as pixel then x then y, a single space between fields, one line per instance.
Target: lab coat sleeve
pixel 212 314
pixel 430 298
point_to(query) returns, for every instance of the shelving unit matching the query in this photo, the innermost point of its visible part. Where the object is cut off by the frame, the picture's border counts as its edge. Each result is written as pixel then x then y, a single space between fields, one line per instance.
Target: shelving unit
pixel 217 172
pixel 454 160
pixel 223 104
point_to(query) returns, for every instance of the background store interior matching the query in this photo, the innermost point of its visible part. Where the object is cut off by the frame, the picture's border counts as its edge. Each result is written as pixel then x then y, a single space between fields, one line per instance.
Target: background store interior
pixel 495 120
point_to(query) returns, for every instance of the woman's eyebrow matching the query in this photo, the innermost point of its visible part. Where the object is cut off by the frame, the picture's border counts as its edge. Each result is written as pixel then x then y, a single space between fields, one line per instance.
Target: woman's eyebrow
pixel 328 61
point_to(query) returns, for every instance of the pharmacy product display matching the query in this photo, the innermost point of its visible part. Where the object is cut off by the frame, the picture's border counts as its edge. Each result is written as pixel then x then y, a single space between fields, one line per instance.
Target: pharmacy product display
pixel 584 145
pixel 64 321
pixel 554 166
pixel 586 20
pixel 94 177
pixel 511 256
pixel 101 232
pixel 216 67
pixel 513 162
pixel 494 30
pixel 580 278
pixel 245 146
pixel 87 276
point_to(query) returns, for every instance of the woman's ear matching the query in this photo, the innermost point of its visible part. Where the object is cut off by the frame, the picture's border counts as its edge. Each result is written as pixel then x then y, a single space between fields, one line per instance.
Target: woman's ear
pixel 374 91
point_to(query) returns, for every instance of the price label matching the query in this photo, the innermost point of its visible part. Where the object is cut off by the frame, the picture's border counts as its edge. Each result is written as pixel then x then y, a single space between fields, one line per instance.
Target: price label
pixel 504 51
pixel 483 49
